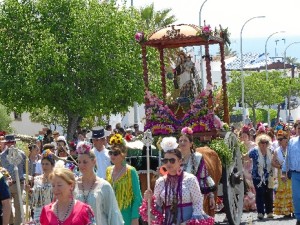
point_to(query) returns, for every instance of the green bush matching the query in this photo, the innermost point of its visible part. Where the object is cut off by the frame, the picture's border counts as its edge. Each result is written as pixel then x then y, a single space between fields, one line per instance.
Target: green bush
pixel 5 119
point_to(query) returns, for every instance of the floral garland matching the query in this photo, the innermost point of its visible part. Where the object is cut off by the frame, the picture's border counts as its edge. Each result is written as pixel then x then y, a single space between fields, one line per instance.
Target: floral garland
pixel 207 221
pixel 159 218
pixel 161 120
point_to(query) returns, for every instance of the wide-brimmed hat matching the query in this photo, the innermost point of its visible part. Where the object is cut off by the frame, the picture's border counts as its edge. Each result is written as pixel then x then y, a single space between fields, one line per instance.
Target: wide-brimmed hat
pixel 10 138
pixel 97 134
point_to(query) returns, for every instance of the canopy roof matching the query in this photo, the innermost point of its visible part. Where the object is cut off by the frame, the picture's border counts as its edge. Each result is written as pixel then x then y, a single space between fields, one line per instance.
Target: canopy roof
pixel 181 35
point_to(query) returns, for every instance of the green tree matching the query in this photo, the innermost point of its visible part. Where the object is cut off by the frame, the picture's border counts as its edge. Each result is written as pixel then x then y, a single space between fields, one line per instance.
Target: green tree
pixel 5 119
pixel 77 57
pixel 259 92
pixel 156 19
pixel 153 20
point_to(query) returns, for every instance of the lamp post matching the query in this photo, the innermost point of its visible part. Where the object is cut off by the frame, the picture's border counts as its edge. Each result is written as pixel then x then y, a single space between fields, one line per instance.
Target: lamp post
pixel 266 61
pixel 200 51
pixel 242 72
pixel 287 109
pixel 284 55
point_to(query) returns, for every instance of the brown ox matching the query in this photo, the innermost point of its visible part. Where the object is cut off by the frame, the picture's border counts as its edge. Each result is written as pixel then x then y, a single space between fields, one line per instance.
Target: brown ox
pixel 214 168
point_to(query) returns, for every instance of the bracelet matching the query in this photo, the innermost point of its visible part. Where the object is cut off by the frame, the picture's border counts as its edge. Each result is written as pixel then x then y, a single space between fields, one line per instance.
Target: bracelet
pixel 211 195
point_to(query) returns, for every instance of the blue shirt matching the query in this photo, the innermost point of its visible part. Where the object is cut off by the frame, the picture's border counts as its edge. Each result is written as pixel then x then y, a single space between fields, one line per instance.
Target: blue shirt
pixel 10 167
pixel 292 161
pixel 4 190
pixel 253 154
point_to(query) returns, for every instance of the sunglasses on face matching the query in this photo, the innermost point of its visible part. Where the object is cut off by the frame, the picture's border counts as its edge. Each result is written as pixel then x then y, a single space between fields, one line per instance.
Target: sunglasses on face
pixel 166 160
pixel 264 142
pixel 280 139
pixel 114 153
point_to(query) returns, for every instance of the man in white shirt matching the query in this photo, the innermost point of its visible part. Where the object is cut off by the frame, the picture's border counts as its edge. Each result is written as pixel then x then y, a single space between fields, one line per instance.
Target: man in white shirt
pixel 102 157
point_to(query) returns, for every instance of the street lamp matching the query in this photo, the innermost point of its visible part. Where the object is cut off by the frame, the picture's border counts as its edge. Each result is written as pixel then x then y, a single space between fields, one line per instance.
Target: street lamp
pixel 289 95
pixel 242 72
pixel 284 55
pixel 200 51
pixel 266 60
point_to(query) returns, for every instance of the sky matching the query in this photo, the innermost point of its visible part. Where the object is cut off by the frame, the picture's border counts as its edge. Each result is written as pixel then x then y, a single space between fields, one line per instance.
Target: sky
pixel 279 16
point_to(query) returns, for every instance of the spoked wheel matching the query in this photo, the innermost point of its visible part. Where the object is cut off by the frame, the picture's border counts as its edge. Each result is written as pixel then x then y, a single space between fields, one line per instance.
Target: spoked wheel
pixel 233 185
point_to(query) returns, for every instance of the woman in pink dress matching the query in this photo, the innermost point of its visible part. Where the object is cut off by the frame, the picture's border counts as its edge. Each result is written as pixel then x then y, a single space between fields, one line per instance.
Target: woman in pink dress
pixel 65 210
pixel 249 198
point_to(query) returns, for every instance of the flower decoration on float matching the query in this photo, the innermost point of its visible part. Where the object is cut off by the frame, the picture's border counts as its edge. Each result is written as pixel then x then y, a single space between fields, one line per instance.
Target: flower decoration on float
pixel 140 37
pixel 117 139
pixel 169 144
pixel 161 120
pixel 187 130
pixel 83 147
pixel 205 31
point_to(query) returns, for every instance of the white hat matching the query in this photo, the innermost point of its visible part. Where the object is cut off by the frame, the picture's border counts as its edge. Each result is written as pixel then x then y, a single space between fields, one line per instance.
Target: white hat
pixel 62 138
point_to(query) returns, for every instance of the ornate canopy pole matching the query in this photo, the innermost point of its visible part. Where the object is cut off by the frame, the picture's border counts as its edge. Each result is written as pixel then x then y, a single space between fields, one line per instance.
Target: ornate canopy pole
pixel 162 73
pixel 208 74
pixel 224 85
pixel 147 140
pixel 15 158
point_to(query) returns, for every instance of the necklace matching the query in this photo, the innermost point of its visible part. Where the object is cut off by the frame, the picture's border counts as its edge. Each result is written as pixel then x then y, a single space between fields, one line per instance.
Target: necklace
pixel 119 174
pixel 45 179
pixel 115 178
pixel 85 197
pixel 60 222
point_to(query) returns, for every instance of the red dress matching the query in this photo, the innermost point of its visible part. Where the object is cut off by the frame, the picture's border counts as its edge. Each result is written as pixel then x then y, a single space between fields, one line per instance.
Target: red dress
pixel 82 214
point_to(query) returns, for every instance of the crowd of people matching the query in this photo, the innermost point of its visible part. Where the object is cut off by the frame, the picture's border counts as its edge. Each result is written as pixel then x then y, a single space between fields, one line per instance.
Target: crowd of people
pixel 272 169
pixel 89 181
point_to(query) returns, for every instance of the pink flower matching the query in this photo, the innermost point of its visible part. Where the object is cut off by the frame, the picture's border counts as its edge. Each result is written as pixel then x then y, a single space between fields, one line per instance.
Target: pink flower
pixel 139 36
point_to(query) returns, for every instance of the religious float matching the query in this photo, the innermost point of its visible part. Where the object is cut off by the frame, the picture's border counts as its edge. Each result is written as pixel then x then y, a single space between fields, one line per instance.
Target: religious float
pixel 193 105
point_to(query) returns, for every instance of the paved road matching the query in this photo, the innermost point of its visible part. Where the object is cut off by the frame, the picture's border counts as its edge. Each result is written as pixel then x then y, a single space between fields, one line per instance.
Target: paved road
pixel 251 219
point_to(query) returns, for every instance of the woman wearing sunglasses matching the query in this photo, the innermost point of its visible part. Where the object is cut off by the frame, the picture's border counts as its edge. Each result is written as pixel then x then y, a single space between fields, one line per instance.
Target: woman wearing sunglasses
pixel 194 163
pixel 177 197
pixel 262 175
pixel 124 180
pixel 95 191
pixel 283 203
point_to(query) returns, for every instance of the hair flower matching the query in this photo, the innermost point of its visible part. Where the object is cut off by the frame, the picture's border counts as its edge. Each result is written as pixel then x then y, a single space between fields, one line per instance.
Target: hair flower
pixel 116 139
pixel 280 132
pixel 187 130
pixel 168 144
pixel 83 147
pixel 47 153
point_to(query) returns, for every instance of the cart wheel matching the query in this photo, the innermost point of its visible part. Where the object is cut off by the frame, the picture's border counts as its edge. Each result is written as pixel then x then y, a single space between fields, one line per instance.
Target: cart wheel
pixel 233 185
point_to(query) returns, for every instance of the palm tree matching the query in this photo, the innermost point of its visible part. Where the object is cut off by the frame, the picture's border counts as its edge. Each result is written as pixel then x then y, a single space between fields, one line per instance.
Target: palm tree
pixel 154 20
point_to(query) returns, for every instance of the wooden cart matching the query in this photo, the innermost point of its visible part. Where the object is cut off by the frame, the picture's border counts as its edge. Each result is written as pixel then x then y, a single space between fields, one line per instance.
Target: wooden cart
pixel 176 37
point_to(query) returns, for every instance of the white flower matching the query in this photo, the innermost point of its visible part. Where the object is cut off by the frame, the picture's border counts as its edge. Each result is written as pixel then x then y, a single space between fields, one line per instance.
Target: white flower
pixel 168 143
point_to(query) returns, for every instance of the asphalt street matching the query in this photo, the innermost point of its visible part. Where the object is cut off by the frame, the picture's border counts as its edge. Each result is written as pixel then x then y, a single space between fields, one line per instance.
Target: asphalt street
pixel 250 218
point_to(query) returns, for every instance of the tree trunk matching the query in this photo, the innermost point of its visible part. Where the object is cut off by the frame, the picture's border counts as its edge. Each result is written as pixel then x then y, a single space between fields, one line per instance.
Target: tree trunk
pixel 278 112
pixel 254 115
pixel 73 122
